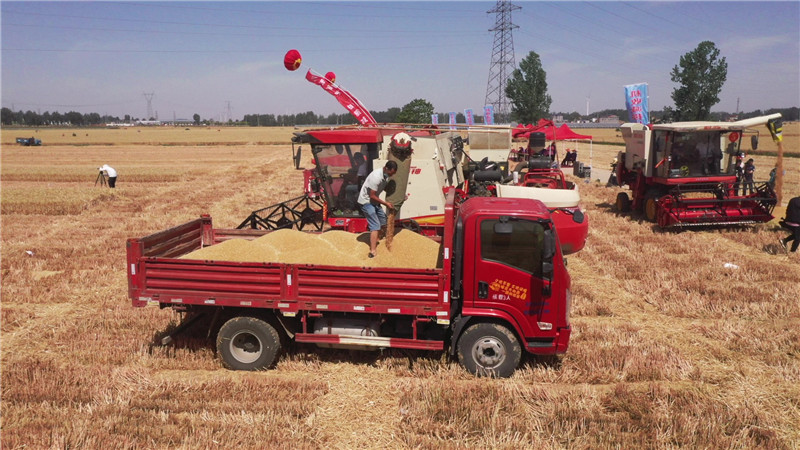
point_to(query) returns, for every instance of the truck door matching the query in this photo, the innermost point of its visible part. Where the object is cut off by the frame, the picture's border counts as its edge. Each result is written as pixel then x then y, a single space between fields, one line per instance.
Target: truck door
pixel 508 270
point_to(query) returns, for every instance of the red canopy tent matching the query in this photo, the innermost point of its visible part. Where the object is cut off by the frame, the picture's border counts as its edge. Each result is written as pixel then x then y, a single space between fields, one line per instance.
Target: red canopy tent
pixel 552 133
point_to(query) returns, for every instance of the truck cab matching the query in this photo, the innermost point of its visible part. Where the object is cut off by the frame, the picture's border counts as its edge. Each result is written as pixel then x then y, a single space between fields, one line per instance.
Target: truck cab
pixel 508 265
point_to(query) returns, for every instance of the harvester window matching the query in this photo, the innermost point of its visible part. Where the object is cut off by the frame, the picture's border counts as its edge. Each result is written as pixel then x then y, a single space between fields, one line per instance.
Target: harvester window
pixel 521 249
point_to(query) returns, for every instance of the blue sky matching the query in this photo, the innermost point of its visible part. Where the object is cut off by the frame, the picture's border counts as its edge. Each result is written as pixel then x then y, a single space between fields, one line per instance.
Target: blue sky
pixel 207 57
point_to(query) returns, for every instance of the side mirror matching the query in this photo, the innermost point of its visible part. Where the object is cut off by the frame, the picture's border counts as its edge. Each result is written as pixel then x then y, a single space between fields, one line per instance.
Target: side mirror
pixel 297 157
pixel 548 246
pixel 547 269
pixel 754 141
pixel 578 216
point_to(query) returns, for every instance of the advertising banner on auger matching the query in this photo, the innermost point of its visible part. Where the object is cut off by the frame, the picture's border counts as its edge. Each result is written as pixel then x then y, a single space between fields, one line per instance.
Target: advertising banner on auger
pixel 344 98
pixel 488 114
pixel 469 116
pixel 636 103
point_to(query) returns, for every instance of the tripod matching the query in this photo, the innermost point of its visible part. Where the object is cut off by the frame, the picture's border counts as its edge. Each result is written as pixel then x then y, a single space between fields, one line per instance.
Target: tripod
pixel 101 178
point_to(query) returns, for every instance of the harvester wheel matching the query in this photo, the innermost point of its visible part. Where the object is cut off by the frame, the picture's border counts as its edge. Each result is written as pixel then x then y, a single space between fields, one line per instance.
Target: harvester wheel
pixel 248 343
pixel 489 349
pixel 651 209
pixel 623 202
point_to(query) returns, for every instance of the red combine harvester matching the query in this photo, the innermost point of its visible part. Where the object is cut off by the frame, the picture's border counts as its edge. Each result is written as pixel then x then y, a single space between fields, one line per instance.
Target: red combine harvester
pixel 344 156
pixel 685 173
pixel 535 178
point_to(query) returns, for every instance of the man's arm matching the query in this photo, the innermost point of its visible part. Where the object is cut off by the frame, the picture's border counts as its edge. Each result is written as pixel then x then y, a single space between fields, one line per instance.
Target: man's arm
pixel 374 197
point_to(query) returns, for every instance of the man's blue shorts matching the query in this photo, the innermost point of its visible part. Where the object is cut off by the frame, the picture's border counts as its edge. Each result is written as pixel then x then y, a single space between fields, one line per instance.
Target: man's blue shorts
pixel 376 218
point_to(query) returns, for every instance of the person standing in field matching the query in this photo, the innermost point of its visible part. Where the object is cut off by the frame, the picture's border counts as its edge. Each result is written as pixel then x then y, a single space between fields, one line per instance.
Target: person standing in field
pixel 112 175
pixel 792 223
pixel 370 202
pixel 738 168
pixel 749 171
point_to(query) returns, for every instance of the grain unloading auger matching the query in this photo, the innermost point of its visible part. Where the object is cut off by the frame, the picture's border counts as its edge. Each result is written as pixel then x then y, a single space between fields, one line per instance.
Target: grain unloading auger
pixel 684 174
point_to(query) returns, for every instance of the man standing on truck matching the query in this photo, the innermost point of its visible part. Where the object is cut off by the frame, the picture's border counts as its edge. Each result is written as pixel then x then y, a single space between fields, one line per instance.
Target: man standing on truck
pixel 370 202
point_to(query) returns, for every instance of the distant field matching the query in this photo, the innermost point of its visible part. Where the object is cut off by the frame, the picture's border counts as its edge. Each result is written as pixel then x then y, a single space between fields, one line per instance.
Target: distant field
pixel 170 136
pixel 670 348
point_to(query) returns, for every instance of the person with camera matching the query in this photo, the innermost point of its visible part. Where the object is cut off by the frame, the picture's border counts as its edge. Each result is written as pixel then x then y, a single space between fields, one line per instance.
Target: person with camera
pixel 109 171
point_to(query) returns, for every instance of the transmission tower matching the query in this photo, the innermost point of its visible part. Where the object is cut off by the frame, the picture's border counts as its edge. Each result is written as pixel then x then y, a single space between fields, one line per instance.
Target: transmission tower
pixel 230 116
pixel 149 98
pixel 503 63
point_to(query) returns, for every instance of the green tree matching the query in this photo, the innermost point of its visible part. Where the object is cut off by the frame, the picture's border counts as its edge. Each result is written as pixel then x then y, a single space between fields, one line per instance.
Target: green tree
pixel 701 74
pixel 6 116
pixel 196 118
pixel 527 90
pixel 417 111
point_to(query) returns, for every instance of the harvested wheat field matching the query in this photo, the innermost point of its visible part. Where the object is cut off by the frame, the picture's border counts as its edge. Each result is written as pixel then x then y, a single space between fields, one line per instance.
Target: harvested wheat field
pixel 669 347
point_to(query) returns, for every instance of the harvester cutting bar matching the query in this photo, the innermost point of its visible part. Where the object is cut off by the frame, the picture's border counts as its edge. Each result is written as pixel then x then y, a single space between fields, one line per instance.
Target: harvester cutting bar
pixel 296 213
pixel 677 210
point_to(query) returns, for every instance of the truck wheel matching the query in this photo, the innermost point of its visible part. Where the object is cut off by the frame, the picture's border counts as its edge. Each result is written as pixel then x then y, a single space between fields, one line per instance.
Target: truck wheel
pixel 488 349
pixel 247 343
pixel 623 202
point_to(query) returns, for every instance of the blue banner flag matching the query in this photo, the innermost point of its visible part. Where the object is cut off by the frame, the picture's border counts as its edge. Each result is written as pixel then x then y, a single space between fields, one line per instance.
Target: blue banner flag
pixel 435 119
pixel 470 118
pixel 452 120
pixel 488 114
pixel 636 103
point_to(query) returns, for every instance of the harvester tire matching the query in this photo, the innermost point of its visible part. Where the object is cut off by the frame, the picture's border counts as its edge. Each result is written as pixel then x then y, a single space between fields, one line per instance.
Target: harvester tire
pixel 651 209
pixel 623 202
pixel 248 343
pixel 489 350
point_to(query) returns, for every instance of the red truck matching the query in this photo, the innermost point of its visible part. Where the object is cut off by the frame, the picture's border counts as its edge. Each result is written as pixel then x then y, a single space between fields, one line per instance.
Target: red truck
pixel 502 286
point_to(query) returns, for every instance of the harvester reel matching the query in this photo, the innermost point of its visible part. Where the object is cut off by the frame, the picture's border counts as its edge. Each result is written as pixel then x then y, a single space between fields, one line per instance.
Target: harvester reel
pixel 287 214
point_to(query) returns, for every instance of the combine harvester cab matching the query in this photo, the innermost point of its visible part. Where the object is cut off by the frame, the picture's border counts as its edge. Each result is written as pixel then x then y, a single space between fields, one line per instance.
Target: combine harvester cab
pixel 684 174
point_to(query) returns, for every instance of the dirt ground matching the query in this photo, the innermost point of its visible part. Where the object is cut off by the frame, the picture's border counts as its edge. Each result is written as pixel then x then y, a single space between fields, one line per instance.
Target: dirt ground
pixel 670 347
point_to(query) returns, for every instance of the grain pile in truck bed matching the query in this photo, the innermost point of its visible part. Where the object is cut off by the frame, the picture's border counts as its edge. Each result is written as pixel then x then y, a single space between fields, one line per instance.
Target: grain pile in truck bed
pixel 336 248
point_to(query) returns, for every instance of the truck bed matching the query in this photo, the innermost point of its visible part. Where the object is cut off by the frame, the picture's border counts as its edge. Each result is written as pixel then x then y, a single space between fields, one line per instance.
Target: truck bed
pixel 157 275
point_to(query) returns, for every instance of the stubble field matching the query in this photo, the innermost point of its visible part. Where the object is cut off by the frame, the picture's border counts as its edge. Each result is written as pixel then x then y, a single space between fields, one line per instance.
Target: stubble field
pixel 669 348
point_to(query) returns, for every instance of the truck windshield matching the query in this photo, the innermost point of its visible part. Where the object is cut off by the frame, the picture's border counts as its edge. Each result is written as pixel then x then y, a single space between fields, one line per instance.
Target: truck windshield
pixel 521 249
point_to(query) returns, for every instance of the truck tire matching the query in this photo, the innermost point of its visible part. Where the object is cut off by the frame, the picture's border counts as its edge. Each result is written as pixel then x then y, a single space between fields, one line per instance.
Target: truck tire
pixel 623 202
pixel 248 343
pixel 489 349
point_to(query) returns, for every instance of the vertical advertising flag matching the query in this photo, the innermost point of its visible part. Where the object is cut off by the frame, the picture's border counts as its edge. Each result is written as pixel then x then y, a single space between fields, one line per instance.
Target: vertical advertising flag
pixel 435 119
pixel 470 118
pixel 488 114
pixel 636 103
pixel 452 120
